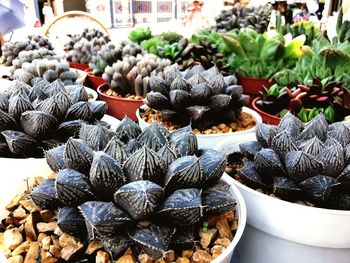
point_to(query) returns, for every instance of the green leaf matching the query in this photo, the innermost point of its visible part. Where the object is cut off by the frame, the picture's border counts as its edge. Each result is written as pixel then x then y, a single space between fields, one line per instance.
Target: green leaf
pixel 302 115
pixel 329 114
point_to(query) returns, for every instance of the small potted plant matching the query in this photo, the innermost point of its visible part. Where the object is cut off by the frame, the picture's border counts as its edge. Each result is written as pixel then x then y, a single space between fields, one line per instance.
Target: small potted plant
pixel 114 201
pixel 50 70
pixel 316 84
pixel 108 55
pixel 296 176
pixel 212 104
pixel 257 57
pixel 35 119
pixel 83 47
pixel 128 82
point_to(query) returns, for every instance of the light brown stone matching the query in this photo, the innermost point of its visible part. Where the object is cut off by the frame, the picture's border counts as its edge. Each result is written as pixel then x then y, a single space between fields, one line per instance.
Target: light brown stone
pixel 126 259
pixel 3 248
pixel 230 216
pixel 93 246
pixel 71 250
pixel 55 240
pixel 41 236
pixel 68 240
pixel 49 259
pixel 46 227
pixel 15 259
pixel 128 252
pixel 55 251
pixel 58 231
pixel 45 243
pixel 28 205
pixel 47 215
pixel 182 260
pixel 169 256
pixel 30 221
pixel 222 242
pixel 187 253
pixel 234 225
pixel 207 236
pixel 201 256
pixel 14 203
pixel 224 228
pixel 32 254
pixel 12 238
pixel 145 258
pixel 217 249
pixel 21 249
pixel 20 213
pixel 102 257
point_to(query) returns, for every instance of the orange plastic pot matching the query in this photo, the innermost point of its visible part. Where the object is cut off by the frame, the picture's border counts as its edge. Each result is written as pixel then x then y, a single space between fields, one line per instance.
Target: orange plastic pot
pixel 119 107
pixel 78 65
pixel 93 81
pixel 267 118
pixel 252 86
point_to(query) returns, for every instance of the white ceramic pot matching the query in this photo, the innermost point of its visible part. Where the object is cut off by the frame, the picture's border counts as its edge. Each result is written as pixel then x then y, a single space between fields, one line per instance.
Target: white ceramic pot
pixel 301 224
pixel 92 94
pixel 81 75
pixel 15 185
pixel 210 140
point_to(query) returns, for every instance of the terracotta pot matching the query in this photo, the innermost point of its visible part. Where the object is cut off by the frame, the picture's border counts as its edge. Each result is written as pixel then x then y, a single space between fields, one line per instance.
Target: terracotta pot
pixel 252 86
pixel 78 65
pixel 119 107
pixel 93 81
pixel 267 118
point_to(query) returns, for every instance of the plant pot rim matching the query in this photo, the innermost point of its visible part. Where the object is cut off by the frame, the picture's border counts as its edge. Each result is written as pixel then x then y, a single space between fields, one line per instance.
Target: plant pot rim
pixel 76 63
pixel 256 108
pixel 253 78
pixel 255 114
pixel 220 146
pixel 99 91
pixel 242 218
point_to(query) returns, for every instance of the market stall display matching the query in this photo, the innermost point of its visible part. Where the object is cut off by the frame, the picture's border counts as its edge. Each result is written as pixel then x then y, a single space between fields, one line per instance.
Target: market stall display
pixel 160 182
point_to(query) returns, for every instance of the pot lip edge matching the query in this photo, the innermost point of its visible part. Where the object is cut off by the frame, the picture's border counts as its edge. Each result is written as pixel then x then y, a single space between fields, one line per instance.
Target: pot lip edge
pixel 252 112
pixel 112 97
pixel 261 111
pixel 242 218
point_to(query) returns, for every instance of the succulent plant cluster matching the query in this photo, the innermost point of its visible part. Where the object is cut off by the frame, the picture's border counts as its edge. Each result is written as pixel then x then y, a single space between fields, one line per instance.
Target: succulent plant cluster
pixel 301 162
pixel 10 50
pixel 84 49
pixel 88 33
pixel 131 189
pixel 131 75
pixel 201 97
pixel 42 116
pixel 30 55
pixel 50 70
pixel 257 18
pixel 110 54
pixel 307 101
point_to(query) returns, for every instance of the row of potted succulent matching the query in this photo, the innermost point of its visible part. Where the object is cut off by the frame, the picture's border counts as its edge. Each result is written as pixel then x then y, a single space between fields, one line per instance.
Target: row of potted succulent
pixel 293 166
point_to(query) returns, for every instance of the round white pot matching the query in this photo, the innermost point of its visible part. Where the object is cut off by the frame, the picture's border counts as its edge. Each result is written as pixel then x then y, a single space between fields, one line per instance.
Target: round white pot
pixel 210 140
pixel 25 167
pixel 92 94
pixel 301 224
pixel 15 185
